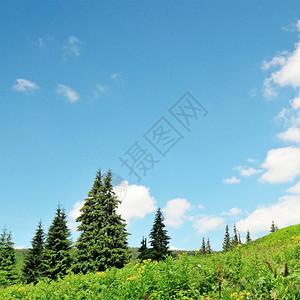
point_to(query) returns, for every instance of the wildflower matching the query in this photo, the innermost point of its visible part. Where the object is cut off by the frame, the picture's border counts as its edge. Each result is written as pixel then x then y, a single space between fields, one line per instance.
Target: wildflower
pixel 22 289
pixel 132 278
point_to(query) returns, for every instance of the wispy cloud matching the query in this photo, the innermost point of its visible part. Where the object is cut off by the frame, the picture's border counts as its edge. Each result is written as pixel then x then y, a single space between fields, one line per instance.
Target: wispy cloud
pixel 232 212
pixel 72 47
pixel 231 180
pixel 246 172
pixel 25 86
pixel 116 76
pixel 67 92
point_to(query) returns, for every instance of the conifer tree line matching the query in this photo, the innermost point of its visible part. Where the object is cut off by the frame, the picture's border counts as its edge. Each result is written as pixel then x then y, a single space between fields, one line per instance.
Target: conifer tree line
pixel 102 242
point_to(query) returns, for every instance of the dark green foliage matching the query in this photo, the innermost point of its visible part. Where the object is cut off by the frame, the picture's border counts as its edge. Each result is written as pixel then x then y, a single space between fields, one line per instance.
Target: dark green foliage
pixel 143 250
pixel 32 269
pixel 248 238
pixel 273 227
pixel 203 247
pixel 235 238
pixel 208 249
pixel 8 272
pixel 103 240
pixel 159 238
pixel 56 254
pixel 226 243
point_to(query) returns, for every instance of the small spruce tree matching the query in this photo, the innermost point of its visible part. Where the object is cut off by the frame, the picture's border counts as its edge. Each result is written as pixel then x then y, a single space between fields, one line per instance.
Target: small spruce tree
pixel 144 251
pixel 56 254
pixel 159 238
pixel 273 227
pixel 235 238
pixel 240 240
pixel 248 238
pixel 226 244
pixel 203 247
pixel 32 269
pixel 208 247
pixel 8 273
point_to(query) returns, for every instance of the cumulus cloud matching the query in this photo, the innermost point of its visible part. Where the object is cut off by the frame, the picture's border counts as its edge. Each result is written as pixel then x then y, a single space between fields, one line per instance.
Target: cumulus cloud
pixel 275 61
pixel 231 180
pixel 295 189
pixel 25 86
pixel 295 103
pixel 207 223
pixel 282 164
pixel 67 92
pixel 292 134
pixel 175 211
pixel 287 75
pixel 232 212
pixel 72 47
pixel 175 248
pixel 136 204
pixel 284 213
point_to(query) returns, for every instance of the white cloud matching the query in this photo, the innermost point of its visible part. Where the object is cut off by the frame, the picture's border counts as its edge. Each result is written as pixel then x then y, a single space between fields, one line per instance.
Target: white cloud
pixel 72 47
pixel 207 223
pixel 295 103
pixel 175 211
pixel 291 135
pixel 175 248
pixel 247 172
pixel 25 86
pixel 231 180
pixel 19 247
pixel 67 92
pixel 295 189
pixel 232 212
pixel 298 25
pixel 275 61
pixel 200 206
pixel 116 76
pixel 102 88
pixel 287 75
pixel 282 164
pixel 284 213
pixel 137 203
pixel 252 160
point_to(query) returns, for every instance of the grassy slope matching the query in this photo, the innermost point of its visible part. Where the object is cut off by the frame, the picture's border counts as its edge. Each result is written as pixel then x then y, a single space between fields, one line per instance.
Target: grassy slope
pixel 245 274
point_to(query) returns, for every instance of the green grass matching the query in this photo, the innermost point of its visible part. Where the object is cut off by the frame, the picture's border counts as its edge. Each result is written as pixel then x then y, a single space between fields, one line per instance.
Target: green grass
pixel 245 274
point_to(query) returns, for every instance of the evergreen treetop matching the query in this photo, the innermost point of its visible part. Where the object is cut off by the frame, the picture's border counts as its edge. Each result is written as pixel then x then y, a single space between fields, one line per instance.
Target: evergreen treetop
pixel 159 237
pixel 32 269
pixel 226 243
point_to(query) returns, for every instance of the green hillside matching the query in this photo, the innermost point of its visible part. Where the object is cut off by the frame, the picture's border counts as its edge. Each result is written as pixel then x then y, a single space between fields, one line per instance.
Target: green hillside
pixel 268 268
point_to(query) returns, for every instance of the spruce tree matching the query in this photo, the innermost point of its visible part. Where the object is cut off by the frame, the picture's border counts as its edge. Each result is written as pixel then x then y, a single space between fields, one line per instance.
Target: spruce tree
pixel 226 243
pixel 273 227
pixel 235 238
pixel 248 238
pixel 208 247
pixel 32 269
pixel 240 240
pixel 8 273
pixel 56 254
pixel 203 247
pixel 159 238
pixel 103 240
pixel 144 251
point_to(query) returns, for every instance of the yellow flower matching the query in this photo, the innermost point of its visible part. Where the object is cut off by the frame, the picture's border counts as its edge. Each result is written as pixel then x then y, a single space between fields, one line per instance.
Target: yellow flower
pixel 132 278
pixel 22 289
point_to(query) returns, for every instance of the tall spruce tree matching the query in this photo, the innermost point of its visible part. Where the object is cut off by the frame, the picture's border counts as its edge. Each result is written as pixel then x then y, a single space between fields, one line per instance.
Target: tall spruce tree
pixel 144 251
pixel 248 238
pixel 32 269
pixel 159 238
pixel 103 240
pixel 208 247
pixel 227 242
pixel 235 238
pixel 8 273
pixel 203 247
pixel 56 254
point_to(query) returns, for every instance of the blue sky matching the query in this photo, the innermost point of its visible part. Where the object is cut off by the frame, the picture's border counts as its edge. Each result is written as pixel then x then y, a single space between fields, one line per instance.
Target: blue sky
pixel 81 83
